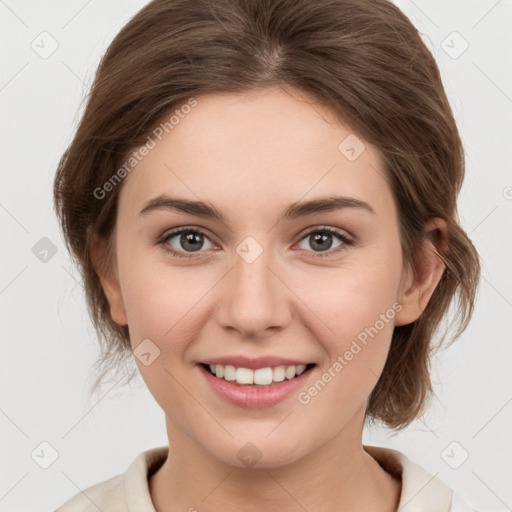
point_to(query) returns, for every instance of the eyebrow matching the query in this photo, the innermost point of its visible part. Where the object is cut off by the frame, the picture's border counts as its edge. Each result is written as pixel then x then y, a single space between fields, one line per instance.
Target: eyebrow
pixel 293 211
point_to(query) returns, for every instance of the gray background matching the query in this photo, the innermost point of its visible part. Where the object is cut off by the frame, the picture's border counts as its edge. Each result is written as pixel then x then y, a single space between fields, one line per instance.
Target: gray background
pixel 48 343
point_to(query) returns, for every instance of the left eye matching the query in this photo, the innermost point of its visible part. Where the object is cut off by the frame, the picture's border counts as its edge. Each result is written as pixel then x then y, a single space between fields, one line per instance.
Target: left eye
pixel 322 239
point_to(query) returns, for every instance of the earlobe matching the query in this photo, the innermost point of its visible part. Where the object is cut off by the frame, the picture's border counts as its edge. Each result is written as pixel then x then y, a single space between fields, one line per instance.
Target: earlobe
pixel 421 282
pixel 109 279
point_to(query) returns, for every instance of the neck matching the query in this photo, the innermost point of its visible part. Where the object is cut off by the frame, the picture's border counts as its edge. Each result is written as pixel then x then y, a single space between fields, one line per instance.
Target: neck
pixel 339 475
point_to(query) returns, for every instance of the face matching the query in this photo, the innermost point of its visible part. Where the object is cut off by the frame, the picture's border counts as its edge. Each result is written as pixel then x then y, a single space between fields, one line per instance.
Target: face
pixel 269 285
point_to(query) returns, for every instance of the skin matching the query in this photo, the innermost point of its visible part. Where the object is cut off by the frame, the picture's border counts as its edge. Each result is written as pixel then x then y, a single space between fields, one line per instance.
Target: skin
pixel 251 155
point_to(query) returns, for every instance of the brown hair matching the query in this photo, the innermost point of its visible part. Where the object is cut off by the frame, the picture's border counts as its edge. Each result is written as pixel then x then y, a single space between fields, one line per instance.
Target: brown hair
pixel 363 59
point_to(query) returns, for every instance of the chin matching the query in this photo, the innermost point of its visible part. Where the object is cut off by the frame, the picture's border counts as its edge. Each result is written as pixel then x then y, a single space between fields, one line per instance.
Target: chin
pixel 260 453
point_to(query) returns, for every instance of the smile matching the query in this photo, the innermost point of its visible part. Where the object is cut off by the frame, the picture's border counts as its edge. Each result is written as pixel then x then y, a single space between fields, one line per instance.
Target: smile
pixel 266 384
pixel 260 376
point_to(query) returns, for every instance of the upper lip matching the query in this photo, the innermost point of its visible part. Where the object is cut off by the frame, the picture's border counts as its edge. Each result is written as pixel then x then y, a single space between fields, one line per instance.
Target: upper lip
pixel 254 363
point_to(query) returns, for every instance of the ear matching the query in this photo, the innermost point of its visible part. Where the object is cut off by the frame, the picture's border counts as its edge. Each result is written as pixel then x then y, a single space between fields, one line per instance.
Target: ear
pixel 108 278
pixel 418 285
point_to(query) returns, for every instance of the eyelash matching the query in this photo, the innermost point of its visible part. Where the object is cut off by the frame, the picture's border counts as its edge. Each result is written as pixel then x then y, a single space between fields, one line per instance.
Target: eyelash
pixel 322 254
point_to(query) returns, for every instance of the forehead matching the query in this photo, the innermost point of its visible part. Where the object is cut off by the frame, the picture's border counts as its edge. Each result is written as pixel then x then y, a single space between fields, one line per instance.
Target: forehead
pixel 261 148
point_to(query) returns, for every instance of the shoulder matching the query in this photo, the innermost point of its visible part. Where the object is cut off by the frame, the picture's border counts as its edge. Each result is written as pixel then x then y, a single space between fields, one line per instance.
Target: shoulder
pixel 421 490
pixel 121 493
pixel 459 505
pixel 106 496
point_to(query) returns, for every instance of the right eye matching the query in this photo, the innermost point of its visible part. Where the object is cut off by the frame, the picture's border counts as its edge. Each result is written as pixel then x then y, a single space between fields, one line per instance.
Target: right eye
pixel 189 239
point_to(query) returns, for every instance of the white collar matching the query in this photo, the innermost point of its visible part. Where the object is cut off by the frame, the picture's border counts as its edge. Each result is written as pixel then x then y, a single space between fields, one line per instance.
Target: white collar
pixel 421 491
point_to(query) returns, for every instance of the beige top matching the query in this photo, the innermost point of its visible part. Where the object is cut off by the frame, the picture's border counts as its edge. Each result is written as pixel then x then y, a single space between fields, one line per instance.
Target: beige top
pixel 129 492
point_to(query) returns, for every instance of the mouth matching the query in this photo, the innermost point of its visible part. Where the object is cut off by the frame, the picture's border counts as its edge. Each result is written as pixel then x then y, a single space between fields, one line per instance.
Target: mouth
pixel 257 378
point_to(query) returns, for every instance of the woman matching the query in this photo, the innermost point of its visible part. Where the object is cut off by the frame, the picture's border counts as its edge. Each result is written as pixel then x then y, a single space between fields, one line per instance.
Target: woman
pixel 222 145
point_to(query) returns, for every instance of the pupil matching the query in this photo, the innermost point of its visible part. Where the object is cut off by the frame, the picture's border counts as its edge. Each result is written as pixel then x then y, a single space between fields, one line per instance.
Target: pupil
pixel 323 238
pixel 193 239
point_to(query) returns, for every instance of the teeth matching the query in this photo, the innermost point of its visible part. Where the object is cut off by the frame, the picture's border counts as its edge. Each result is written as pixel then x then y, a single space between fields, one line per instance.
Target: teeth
pixel 301 368
pixel 261 376
pixel 278 374
pixel 244 376
pixel 229 372
pixel 290 372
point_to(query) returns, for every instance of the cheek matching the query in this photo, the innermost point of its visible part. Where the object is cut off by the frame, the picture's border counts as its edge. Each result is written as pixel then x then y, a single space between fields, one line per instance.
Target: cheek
pixel 359 308
pixel 163 303
pixel 351 299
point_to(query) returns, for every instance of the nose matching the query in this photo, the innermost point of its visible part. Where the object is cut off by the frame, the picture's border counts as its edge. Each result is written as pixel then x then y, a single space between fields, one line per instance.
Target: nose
pixel 254 299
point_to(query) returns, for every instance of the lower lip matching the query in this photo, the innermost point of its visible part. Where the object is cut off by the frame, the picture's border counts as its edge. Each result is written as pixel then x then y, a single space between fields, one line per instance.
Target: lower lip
pixel 249 396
